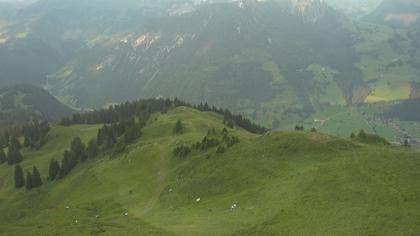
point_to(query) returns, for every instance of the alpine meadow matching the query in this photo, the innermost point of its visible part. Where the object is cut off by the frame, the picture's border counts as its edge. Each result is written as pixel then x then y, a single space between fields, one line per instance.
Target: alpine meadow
pixel 209 117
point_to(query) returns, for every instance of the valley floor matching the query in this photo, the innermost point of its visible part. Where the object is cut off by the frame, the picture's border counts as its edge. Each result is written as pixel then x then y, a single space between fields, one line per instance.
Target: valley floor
pixel 343 120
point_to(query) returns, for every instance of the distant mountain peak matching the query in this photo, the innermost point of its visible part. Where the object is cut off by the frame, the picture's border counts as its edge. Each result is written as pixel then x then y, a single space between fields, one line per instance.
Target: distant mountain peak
pixel 302 5
pixel 311 10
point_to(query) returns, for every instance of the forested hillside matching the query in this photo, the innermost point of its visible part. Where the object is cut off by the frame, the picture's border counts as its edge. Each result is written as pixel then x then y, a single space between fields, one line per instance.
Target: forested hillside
pixel 24 103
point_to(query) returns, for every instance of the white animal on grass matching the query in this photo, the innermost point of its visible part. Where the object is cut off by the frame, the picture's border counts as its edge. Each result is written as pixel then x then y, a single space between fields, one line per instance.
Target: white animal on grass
pixel 126 214
pixel 67 207
pixel 233 207
pixel 198 200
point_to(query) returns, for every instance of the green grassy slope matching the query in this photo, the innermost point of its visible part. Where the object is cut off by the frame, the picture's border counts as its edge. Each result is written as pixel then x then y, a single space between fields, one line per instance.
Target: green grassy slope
pixel 287 183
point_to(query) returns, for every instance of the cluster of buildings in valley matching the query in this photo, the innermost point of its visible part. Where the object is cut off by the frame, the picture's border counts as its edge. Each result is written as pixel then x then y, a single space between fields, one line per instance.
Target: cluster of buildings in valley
pixel 403 136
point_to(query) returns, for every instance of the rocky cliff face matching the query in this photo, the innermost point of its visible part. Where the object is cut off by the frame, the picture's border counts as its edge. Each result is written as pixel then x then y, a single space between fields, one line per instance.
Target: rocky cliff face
pixel 311 10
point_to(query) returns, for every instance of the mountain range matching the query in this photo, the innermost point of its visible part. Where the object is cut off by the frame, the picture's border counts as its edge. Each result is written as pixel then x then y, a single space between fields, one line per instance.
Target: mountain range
pixel 271 60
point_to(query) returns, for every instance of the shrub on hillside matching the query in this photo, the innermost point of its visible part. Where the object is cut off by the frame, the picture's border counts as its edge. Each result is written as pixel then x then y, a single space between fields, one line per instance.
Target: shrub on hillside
pixel 179 127
pixel 371 138
pixel 182 151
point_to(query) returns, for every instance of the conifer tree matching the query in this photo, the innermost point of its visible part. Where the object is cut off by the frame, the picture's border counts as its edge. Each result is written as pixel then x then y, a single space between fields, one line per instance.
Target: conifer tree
pixel 14 156
pixel 106 137
pixel 29 181
pixel 179 128
pixel 220 149
pixel 133 132
pixel 66 164
pixel 44 128
pixel 71 157
pixel 14 143
pixel 111 139
pixel 26 139
pixel 3 140
pixel 229 123
pixel 78 150
pixel 120 147
pixel 362 134
pixel 19 177
pixel 10 157
pixel 36 178
pixel 182 151
pixel 2 155
pixel 34 134
pixel 92 149
pixel 54 170
pixel 299 128
pixel 406 143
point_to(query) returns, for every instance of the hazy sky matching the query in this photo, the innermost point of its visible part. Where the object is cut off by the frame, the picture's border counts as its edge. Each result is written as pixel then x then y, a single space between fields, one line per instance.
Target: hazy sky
pixel 18 1
pixel 345 4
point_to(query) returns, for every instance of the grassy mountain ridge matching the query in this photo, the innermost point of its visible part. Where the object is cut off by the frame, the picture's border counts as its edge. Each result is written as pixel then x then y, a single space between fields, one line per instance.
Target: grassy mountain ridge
pixel 23 103
pixel 284 183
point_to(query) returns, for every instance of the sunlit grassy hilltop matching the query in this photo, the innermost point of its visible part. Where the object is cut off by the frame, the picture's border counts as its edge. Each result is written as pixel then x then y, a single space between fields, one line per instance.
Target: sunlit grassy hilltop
pixel 285 183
